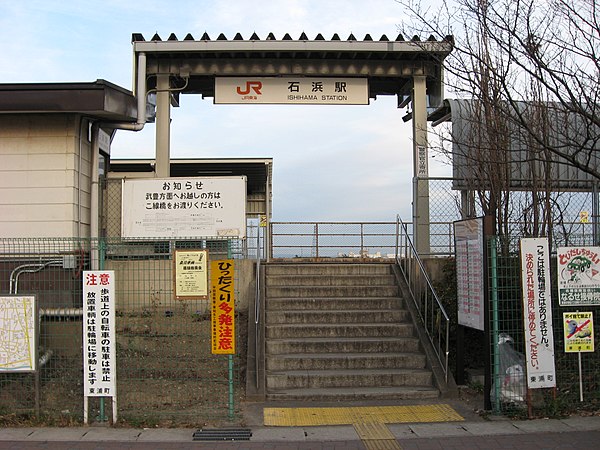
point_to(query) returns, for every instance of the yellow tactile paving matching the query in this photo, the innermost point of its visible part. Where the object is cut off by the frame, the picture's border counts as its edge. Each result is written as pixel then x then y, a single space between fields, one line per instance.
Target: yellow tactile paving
pixel 376 436
pixel 294 417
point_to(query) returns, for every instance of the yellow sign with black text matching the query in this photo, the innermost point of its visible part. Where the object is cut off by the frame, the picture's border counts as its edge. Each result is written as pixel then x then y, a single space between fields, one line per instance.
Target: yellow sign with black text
pixel 579 332
pixel 222 306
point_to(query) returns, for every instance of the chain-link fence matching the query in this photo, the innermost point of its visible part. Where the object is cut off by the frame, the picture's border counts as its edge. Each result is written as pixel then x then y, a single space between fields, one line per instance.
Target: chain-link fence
pixel 570 216
pixel 509 394
pixel 166 372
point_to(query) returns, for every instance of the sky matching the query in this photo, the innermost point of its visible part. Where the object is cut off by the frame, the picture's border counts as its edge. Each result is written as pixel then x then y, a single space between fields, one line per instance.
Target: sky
pixel 331 163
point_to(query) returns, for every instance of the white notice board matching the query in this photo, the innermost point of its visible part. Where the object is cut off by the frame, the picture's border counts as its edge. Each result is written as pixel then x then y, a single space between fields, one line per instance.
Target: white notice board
pixel 184 207
pixel 468 245
pixel 537 313
pixel 99 335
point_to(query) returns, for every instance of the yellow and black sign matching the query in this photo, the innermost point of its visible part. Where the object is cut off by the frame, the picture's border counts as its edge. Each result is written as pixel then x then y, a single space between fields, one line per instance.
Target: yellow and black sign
pixel 579 332
pixel 223 307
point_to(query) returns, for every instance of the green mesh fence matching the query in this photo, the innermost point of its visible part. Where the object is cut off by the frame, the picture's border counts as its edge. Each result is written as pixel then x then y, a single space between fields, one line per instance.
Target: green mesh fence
pixel 166 373
pixel 510 395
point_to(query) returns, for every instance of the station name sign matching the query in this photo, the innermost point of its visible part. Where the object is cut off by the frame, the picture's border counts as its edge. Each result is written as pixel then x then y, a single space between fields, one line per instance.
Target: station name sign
pixel 291 90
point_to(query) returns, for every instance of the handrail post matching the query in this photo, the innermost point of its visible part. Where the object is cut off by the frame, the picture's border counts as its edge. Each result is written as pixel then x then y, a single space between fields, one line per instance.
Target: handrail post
pixel 362 240
pixel 396 256
pixel 269 256
pixel 257 310
pixel 317 240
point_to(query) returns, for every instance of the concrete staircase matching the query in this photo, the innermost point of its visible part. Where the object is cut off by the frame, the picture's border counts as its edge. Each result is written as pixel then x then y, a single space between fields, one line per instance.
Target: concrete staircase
pixel 338 331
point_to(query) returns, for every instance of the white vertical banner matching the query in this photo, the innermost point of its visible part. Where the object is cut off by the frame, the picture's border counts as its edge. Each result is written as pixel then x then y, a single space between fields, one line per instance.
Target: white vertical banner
pixel 99 355
pixel 422 162
pixel 537 313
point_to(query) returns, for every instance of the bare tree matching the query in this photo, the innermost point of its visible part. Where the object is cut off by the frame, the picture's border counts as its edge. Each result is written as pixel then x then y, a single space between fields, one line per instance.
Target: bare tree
pixel 531 70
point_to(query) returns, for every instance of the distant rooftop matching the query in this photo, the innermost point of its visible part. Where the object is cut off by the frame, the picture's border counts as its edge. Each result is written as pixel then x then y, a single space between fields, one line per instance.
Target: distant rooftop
pixel 99 99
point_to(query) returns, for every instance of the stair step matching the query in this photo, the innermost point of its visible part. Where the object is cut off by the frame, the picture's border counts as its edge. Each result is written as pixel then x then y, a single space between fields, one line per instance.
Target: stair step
pixel 330 361
pixel 340 280
pixel 355 393
pixel 328 269
pixel 348 378
pixel 345 344
pixel 332 291
pixel 326 303
pixel 339 330
pixel 356 316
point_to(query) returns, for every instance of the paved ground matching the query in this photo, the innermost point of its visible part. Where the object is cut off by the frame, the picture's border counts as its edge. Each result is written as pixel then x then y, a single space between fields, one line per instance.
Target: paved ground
pixel 475 432
pixel 571 433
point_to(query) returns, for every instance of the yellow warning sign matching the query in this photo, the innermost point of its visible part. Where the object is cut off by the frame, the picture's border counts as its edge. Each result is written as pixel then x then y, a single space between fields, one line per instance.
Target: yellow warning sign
pixel 579 332
pixel 223 307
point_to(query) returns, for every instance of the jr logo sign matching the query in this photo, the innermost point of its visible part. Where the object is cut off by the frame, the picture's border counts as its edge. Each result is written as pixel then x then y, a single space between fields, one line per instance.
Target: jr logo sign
pixel 255 86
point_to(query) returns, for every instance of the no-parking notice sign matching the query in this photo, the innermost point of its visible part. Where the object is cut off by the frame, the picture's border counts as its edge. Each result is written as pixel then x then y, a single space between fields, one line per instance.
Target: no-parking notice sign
pixel 579 337
pixel 579 332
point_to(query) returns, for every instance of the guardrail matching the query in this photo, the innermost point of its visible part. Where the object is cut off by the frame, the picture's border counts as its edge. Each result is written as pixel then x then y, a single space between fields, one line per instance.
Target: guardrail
pixel 429 308
pixel 347 239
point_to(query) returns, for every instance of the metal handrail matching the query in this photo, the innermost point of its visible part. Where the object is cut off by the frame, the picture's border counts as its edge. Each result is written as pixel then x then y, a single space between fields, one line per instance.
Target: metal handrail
pixel 429 308
pixel 257 312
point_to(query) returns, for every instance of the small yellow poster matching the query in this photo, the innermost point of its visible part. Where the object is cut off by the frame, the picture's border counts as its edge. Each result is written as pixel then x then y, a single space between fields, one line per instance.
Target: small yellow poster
pixel 579 332
pixel 191 276
pixel 222 307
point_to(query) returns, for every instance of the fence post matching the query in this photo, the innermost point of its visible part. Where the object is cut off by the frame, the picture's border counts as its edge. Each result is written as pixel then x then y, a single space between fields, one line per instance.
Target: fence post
pixel 494 301
pixel 595 213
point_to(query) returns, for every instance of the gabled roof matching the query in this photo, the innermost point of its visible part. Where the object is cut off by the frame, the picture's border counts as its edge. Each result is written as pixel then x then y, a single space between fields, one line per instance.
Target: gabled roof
pixel 99 99
pixel 389 64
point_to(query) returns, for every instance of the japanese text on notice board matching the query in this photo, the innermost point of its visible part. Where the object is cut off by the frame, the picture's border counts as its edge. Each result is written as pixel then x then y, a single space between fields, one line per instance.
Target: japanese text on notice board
pixel 223 307
pixel 99 359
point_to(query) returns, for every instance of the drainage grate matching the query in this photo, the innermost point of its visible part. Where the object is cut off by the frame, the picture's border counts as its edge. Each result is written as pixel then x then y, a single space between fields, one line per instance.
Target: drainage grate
pixel 223 434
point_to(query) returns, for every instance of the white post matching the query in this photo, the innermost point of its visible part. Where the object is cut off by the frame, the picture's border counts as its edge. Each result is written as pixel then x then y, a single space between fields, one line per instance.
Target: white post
pixel 163 127
pixel 420 166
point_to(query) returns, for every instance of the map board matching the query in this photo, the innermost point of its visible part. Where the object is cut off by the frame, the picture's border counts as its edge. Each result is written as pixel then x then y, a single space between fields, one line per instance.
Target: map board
pixel 18 333
pixel 184 207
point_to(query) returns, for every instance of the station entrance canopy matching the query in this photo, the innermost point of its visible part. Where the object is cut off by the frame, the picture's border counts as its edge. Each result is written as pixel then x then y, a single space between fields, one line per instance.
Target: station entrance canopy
pixel 410 69
pixel 388 65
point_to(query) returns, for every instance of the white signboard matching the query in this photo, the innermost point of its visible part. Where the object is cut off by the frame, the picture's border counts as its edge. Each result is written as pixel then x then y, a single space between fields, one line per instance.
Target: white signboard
pixel 184 207
pixel 468 235
pixel 18 333
pixel 292 90
pixel 422 164
pixel 578 270
pixel 537 313
pixel 99 354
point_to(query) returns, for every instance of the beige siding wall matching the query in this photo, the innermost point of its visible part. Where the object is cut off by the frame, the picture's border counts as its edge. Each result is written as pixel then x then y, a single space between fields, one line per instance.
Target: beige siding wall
pixel 39 176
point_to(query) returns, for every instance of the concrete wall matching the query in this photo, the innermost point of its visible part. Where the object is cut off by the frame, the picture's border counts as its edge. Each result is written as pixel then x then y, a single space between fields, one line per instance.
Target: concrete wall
pixel 434 267
pixel 39 176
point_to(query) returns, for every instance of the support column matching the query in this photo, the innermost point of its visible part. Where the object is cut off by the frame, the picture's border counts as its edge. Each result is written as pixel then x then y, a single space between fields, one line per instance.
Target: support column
pixel 420 169
pixel 163 127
